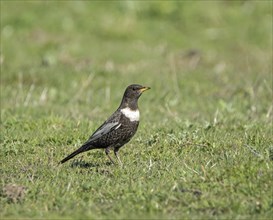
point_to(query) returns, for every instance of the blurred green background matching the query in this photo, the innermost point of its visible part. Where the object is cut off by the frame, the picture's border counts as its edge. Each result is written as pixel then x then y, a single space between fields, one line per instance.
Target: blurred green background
pixel 183 50
pixel 64 68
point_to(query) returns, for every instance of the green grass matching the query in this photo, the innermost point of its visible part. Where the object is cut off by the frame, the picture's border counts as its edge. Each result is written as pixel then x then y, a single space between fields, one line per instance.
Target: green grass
pixel 204 148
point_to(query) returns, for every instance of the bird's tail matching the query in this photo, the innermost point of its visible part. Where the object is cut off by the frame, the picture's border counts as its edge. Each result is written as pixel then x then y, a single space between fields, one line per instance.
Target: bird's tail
pixel 83 148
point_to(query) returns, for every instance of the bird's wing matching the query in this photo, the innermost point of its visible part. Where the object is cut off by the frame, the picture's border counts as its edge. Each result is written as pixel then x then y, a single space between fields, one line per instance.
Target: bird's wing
pixel 106 128
pixel 111 124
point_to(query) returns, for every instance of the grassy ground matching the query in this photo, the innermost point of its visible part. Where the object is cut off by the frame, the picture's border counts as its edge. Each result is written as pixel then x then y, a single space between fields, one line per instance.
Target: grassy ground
pixel 204 147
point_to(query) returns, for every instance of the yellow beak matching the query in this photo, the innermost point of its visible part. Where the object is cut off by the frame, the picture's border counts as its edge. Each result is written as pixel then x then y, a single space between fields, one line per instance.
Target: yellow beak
pixel 144 89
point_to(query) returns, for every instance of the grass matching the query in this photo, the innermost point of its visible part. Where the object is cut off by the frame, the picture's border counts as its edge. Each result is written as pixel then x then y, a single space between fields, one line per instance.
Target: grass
pixel 204 146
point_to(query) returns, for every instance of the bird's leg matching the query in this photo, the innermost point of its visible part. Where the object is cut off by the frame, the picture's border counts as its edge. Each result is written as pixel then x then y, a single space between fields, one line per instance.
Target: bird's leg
pixel 116 154
pixel 107 151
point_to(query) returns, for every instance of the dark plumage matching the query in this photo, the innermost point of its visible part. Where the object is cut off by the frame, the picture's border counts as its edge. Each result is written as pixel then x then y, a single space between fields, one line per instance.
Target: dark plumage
pixel 119 128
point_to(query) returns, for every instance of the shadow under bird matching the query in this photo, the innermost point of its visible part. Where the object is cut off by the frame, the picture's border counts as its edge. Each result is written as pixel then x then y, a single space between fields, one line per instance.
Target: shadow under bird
pixel 118 129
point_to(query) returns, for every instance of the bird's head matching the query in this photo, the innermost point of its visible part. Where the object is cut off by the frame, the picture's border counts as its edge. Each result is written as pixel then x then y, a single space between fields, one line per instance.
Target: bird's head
pixel 132 93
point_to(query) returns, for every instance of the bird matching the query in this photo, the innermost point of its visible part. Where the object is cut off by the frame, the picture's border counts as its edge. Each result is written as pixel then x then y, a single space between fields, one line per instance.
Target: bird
pixel 118 129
